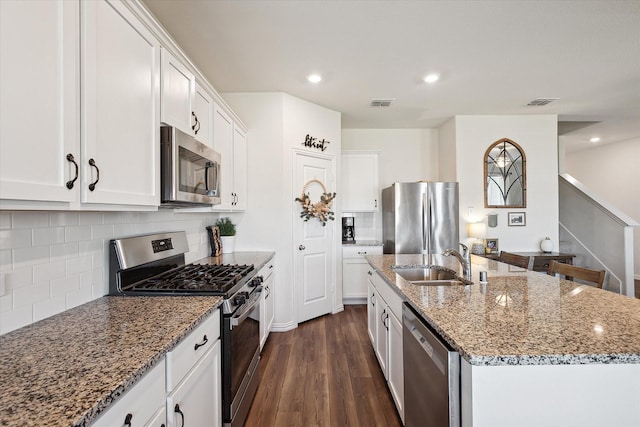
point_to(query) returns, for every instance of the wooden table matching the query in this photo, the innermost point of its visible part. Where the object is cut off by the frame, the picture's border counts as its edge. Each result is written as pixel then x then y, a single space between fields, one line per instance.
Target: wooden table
pixel 541 260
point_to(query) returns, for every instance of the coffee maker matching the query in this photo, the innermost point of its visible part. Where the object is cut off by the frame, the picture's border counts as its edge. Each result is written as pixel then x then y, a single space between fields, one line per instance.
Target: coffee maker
pixel 348 229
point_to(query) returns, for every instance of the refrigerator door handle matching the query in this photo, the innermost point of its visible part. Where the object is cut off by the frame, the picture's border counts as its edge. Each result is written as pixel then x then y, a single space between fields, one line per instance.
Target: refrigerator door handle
pixel 425 230
pixel 430 228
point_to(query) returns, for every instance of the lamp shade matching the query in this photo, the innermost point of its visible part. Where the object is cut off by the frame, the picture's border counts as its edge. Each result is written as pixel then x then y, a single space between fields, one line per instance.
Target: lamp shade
pixel 476 230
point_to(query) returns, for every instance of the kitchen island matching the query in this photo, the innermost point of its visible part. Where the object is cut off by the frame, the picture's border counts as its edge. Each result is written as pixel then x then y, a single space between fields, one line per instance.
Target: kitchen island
pixel 536 350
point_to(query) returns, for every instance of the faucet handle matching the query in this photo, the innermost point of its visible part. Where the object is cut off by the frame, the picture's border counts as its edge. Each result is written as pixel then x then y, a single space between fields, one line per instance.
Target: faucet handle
pixel 465 248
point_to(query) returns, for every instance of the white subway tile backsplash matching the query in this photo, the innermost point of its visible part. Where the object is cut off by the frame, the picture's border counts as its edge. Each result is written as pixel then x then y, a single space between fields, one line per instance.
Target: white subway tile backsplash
pixel 5 220
pixel 78 296
pixel 44 309
pixel 65 284
pixel 76 234
pixel 63 218
pixel 19 277
pixel 56 260
pixel 30 219
pixel 47 236
pixel 102 231
pixel 79 264
pixel 29 295
pixel 23 257
pixel 15 319
pixel 64 251
pixel 12 239
pixel 52 270
pixel 90 218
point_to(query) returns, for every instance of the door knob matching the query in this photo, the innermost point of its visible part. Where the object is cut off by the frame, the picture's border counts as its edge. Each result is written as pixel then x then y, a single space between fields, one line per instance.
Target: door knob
pixel 301 248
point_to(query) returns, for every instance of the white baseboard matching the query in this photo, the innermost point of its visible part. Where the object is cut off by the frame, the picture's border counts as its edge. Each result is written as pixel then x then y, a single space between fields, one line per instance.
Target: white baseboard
pixel 354 301
pixel 283 327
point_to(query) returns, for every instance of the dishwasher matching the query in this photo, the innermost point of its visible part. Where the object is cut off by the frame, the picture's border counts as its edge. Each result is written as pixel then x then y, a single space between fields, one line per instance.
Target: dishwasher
pixel 431 375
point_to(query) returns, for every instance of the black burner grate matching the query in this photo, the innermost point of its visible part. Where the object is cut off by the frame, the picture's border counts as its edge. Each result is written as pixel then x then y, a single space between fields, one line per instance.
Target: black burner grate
pixel 214 279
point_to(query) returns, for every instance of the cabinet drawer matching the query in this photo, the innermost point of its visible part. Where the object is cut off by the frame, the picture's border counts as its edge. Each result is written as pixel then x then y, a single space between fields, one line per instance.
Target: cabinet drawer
pixel 266 270
pixel 141 403
pixel 393 299
pixel 186 354
pixel 360 251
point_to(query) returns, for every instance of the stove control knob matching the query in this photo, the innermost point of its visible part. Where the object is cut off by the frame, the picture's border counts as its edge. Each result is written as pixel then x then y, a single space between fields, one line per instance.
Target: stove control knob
pixel 241 298
pixel 256 281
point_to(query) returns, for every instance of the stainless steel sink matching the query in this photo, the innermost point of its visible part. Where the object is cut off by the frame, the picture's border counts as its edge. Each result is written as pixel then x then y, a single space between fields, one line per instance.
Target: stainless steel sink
pixel 429 275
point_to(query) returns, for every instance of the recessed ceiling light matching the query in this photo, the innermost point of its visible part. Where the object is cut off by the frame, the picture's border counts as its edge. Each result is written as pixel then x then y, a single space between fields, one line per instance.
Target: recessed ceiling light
pixel 595 139
pixel 431 78
pixel 314 78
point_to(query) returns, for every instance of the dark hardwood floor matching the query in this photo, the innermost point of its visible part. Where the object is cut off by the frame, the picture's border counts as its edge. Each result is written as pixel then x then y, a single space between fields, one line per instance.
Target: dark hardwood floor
pixel 324 373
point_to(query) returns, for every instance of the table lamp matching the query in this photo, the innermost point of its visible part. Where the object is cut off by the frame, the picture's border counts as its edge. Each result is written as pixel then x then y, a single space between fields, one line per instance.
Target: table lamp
pixel 477 230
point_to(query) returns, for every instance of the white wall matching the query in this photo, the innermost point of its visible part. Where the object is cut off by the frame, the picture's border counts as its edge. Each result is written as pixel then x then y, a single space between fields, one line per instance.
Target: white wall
pixel 613 172
pixel 278 124
pixel 54 261
pixel 537 135
pixel 406 155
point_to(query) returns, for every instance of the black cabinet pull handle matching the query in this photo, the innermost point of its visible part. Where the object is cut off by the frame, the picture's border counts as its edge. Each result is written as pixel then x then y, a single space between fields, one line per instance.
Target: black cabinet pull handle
pixel 196 125
pixel 72 160
pixel 127 420
pixel 200 344
pixel 92 186
pixel 178 411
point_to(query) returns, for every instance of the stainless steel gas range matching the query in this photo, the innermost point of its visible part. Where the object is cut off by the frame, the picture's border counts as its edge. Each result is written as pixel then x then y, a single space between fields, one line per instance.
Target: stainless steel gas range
pixel 155 265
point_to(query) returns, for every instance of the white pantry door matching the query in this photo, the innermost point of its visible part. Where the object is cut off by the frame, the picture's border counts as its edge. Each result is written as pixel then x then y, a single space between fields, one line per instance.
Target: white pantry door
pixel 314 259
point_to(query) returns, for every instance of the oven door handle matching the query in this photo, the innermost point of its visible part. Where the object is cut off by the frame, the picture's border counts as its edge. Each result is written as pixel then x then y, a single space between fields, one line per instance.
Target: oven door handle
pixel 239 318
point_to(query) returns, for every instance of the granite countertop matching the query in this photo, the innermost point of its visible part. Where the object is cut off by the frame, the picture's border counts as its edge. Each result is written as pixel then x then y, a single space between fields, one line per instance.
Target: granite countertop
pixel 363 243
pixel 65 370
pixel 521 317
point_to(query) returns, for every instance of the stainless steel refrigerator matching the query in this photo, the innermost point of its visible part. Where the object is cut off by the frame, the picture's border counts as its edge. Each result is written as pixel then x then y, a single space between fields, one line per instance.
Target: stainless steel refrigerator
pixel 420 217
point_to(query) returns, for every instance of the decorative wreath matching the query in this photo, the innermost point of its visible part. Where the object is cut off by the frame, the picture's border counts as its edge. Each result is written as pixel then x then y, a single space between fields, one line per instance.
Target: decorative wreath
pixel 322 209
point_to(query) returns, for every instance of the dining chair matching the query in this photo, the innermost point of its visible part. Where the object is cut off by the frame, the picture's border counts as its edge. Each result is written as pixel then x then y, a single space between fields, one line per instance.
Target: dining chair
pixel 521 261
pixel 572 272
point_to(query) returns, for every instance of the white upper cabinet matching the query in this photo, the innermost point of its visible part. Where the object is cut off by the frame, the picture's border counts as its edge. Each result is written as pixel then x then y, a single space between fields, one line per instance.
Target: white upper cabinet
pixel 231 142
pixel 39 106
pixel 178 88
pixel 203 116
pixel 360 192
pixel 120 98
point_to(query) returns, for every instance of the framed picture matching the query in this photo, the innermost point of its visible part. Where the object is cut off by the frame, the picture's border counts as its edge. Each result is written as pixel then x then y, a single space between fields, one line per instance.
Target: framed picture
pixel 491 246
pixel 517 219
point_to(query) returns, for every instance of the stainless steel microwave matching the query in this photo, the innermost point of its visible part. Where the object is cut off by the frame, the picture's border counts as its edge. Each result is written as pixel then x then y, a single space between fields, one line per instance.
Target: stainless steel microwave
pixel 189 170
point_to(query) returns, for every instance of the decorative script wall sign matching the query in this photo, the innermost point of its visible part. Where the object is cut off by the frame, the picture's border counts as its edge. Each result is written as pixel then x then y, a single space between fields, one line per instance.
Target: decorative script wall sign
pixel 312 142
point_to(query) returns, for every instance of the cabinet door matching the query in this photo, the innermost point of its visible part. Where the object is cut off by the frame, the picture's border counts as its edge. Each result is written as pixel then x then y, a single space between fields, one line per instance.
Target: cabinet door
pixel 266 307
pixel 360 182
pixel 203 110
pixel 223 144
pixel 120 97
pixel 371 314
pixel 159 419
pixel 239 169
pixel 140 404
pixel 354 277
pixel 395 364
pixel 177 88
pixel 197 400
pixel 381 344
pixel 39 47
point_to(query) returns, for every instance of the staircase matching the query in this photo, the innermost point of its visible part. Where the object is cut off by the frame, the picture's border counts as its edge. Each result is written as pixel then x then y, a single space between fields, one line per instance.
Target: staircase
pixel 599 234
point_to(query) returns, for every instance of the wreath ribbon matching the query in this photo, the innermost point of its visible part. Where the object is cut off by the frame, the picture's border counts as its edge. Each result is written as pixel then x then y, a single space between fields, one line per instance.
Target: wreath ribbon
pixel 322 209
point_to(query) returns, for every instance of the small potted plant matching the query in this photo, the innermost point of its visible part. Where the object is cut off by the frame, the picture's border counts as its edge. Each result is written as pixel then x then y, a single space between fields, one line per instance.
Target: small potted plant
pixel 227 234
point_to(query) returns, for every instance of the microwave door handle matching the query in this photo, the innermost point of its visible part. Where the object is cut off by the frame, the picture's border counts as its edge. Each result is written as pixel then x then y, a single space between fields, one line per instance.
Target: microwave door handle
pixel 207 166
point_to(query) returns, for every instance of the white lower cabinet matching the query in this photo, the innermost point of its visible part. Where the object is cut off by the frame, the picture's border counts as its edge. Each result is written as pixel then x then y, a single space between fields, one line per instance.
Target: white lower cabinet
pixel 196 400
pixel 267 306
pixel 140 405
pixel 354 272
pixel 159 419
pixel 384 325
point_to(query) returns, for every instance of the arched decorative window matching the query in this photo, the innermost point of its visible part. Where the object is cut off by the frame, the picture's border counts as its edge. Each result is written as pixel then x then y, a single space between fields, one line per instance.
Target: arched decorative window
pixel 505 175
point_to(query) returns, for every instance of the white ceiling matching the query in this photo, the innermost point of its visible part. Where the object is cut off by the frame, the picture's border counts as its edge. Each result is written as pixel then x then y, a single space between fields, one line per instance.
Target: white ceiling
pixel 493 57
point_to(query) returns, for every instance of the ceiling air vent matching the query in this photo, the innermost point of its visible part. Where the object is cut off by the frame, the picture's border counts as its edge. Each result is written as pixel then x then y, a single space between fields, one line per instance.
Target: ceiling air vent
pixel 541 101
pixel 382 102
